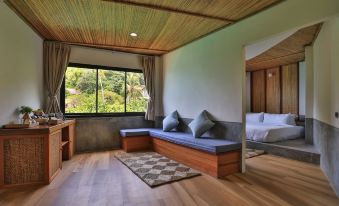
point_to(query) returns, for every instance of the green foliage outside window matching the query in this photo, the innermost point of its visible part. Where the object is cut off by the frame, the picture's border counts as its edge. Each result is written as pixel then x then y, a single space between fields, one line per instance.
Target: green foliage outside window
pixel 136 99
pixel 81 91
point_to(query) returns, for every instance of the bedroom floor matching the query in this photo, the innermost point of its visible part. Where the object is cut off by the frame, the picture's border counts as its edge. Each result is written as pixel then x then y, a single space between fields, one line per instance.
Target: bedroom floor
pixel 100 179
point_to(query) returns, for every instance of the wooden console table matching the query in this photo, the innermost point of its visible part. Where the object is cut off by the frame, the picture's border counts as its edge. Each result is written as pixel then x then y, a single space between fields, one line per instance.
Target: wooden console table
pixel 34 155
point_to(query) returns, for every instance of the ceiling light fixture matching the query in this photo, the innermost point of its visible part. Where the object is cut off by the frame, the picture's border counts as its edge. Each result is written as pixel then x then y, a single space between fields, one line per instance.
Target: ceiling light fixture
pixel 133 34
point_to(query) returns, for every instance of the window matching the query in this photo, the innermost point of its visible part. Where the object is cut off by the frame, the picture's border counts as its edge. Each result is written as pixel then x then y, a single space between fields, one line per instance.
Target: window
pixel 90 90
pixel 135 90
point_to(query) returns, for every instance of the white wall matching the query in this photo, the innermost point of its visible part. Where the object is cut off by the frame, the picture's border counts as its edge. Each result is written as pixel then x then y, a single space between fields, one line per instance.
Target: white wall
pixel 326 73
pixel 86 55
pixel 309 81
pixel 208 73
pixel 21 74
pixel 248 91
pixel 259 47
pixel 302 88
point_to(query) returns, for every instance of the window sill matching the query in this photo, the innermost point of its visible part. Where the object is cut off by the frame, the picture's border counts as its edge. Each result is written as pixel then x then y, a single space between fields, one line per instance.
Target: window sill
pixel 128 114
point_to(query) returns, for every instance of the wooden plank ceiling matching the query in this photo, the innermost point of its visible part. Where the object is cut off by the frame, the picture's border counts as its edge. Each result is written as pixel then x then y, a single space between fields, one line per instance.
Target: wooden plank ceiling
pixel 161 25
pixel 290 50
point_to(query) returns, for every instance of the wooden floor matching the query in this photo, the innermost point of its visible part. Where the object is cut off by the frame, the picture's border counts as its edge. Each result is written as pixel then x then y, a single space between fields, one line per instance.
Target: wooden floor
pixel 100 179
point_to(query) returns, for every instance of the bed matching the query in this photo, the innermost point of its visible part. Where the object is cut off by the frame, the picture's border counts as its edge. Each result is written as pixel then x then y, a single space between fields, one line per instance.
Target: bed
pixel 263 127
pixel 268 132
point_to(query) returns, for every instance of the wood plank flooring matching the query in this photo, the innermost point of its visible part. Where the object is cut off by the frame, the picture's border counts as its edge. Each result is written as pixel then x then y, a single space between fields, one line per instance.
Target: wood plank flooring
pixel 100 179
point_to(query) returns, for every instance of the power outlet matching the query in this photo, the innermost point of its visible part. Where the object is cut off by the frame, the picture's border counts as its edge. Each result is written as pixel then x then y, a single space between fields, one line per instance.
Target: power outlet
pixel 336 114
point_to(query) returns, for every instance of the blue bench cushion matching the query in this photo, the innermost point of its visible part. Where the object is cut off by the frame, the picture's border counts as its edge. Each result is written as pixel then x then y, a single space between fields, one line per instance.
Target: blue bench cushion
pixel 134 132
pixel 206 144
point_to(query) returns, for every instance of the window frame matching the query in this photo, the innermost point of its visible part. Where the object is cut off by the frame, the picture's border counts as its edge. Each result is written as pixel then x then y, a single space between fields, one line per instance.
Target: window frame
pixel 96 114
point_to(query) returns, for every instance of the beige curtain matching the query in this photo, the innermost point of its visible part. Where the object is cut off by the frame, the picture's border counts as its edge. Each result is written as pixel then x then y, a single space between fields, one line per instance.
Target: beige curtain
pixel 148 67
pixel 56 57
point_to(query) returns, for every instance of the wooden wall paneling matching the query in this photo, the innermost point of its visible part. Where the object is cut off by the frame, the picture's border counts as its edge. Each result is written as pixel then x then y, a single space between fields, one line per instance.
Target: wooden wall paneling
pixel 2 169
pixel 290 89
pixel 273 90
pixel 258 91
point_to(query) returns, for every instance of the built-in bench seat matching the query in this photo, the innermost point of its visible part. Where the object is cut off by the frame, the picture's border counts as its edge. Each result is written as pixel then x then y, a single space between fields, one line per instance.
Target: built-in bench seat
pixel 134 132
pixel 217 157
pixel 211 145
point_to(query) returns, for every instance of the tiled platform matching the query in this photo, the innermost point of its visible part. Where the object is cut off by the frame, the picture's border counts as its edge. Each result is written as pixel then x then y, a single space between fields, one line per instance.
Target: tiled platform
pixel 293 149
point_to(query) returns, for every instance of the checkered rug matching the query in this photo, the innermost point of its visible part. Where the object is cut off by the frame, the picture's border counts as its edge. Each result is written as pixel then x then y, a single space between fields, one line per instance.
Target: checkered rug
pixel 155 169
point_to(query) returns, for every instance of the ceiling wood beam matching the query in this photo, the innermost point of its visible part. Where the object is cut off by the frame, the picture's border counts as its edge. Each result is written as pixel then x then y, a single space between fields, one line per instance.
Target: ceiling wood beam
pixel 132 50
pixel 171 10
pixel 229 24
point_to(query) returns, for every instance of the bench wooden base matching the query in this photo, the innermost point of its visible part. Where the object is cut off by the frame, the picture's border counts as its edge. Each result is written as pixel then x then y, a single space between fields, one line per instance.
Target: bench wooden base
pixel 217 165
pixel 134 144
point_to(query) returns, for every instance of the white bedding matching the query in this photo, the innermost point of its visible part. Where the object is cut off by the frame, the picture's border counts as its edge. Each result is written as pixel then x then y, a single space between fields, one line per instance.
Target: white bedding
pixel 268 132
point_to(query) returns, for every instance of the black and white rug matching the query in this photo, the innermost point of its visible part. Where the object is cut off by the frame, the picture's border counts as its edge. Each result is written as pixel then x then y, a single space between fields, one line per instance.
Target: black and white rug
pixel 155 169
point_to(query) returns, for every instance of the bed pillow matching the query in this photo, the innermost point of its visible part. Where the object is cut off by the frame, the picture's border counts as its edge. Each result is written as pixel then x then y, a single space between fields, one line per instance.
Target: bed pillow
pixel 276 118
pixel 201 124
pixel 255 117
pixel 170 122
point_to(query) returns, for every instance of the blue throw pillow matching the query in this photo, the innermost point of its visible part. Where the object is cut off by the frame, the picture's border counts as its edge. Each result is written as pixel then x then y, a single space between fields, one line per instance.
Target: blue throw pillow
pixel 170 122
pixel 201 124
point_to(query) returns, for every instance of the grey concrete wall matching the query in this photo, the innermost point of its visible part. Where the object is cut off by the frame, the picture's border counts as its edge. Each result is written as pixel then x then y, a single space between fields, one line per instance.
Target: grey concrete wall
pixel 223 130
pixel 309 130
pixel 102 133
pixel 326 140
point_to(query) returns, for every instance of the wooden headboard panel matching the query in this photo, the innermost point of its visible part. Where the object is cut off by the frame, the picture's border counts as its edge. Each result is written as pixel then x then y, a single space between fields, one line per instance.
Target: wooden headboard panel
pixel 258 91
pixel 290 89
pixel 275 90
